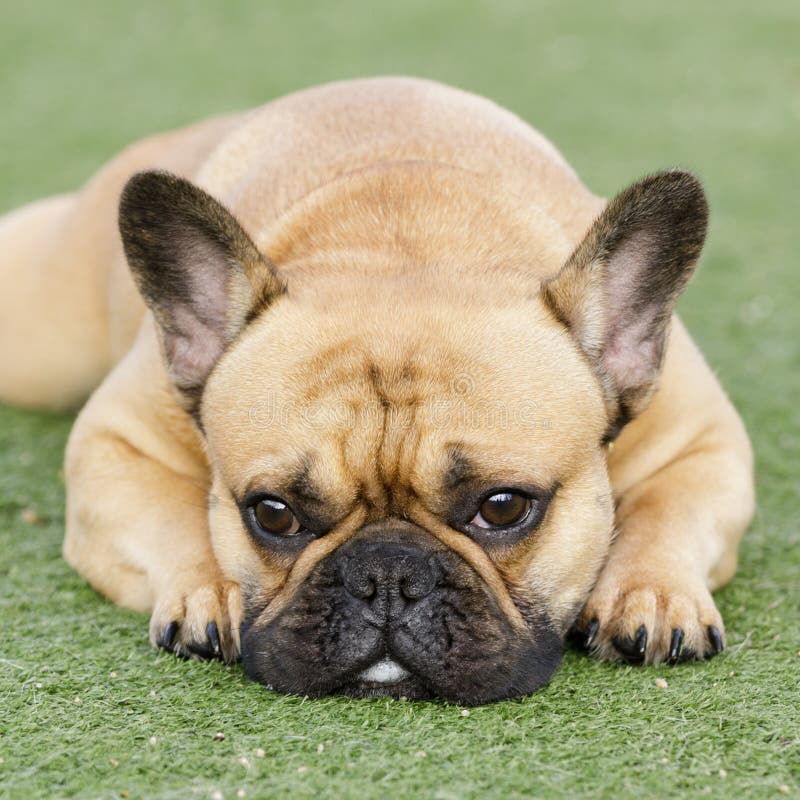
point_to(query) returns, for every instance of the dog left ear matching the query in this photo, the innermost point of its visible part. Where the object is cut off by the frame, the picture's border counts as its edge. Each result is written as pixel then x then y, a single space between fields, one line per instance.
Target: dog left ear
pixel 617 291
pixel 197 269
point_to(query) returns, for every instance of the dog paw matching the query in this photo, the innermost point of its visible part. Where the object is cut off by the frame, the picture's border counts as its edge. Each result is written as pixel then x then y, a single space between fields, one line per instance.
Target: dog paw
pixel 667 619
pixel 202 622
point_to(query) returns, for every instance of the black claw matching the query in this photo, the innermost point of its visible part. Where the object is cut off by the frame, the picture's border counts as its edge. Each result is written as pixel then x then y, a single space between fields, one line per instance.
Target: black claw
pixel 583 639
pixel 169 635
pixel 675 645
pixel 591 632
pixel 633 649
pixel 576 638
pixel 641 641
pixel 715 637
pixel 201 651
pixel 213 637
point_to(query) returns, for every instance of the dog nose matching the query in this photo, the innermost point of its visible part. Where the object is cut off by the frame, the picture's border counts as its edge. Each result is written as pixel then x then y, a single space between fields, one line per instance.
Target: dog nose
pixel 374 570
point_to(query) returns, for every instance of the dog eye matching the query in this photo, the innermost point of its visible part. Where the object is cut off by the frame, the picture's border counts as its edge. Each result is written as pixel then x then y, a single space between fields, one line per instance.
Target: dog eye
pixel 275 517
pixel 502 510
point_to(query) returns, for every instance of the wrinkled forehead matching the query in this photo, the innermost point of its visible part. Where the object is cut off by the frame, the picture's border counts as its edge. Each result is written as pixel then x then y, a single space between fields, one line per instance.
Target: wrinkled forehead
pixel 370 411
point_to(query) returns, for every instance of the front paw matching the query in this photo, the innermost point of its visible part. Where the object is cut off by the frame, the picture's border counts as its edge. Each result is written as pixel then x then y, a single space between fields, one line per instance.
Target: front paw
pixel 200 622
pixel 651 619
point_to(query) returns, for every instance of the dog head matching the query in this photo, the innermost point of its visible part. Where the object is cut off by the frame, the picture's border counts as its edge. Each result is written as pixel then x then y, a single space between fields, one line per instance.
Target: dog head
pixel 406 405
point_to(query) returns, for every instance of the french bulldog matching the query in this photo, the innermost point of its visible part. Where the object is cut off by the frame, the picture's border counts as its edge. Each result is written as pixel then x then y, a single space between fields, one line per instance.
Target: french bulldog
pixel 382 399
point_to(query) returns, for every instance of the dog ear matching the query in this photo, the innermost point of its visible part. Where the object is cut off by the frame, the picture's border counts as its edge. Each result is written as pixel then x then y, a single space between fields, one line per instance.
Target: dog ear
pixel 198 271
pixel 617 291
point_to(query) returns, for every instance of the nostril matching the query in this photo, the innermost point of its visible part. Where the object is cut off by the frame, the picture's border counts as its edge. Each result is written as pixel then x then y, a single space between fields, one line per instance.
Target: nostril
pixel 419 583
pixel 366 589
pixel 359 582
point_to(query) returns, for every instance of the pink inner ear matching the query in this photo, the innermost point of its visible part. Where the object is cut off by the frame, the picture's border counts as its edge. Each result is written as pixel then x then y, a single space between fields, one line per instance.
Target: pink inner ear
pixel 198 330
pixel 633 332
pixel 193 348
pixel 632 354
pixel 207 268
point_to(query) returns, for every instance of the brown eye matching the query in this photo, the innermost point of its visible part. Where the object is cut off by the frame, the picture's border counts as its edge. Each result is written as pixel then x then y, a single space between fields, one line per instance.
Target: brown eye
pixel 502 510
pixel 275 517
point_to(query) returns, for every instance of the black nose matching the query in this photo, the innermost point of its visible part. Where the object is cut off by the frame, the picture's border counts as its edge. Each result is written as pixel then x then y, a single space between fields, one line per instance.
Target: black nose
pixel 373 571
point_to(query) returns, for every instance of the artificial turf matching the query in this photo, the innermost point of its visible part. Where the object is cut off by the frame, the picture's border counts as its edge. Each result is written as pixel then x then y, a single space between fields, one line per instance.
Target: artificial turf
pixel 623 87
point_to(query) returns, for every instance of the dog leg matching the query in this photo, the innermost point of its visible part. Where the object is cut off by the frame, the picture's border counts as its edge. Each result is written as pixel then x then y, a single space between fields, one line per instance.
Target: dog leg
pixel 682 477
pixel 137 518
pixel 52 328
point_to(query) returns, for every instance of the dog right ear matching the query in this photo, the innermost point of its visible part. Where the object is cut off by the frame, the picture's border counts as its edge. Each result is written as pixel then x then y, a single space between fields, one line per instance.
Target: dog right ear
pixel 197 269
pixel 617 292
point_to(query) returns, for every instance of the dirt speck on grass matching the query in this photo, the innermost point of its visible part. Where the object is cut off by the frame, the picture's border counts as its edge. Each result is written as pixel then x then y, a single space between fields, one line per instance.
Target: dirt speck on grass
pixel 30 516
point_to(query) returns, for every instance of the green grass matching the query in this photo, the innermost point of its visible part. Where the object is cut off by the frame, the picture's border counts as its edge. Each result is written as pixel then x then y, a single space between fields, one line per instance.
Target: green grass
pixel 623 87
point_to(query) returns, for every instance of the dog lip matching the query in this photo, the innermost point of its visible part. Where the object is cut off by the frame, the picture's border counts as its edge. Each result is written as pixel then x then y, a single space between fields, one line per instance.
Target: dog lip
pixel 386 671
